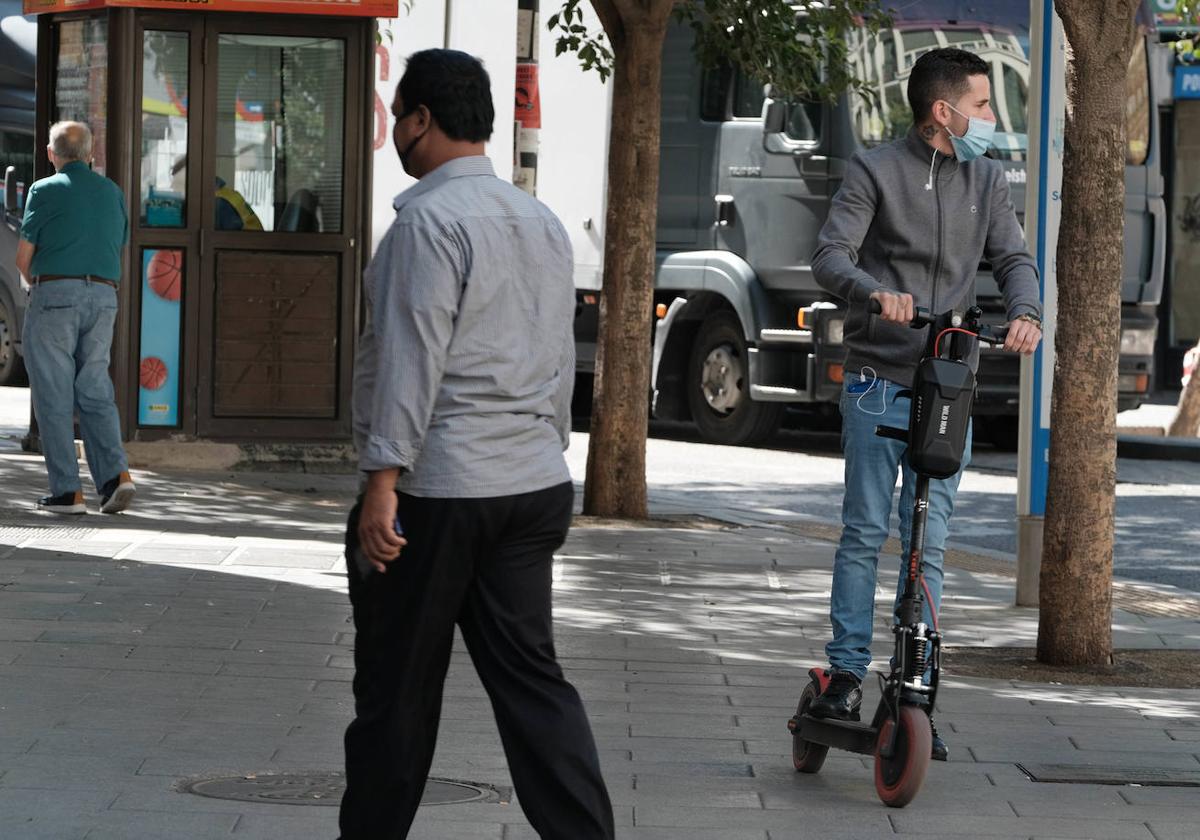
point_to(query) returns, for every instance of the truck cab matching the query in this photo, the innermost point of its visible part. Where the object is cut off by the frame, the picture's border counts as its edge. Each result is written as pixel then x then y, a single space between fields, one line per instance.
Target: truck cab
pixel 743 330
pixel 18 43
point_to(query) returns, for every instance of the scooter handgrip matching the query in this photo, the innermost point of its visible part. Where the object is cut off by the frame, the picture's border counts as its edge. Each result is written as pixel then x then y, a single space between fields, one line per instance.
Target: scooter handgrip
pixel 874 307
pixel 993 335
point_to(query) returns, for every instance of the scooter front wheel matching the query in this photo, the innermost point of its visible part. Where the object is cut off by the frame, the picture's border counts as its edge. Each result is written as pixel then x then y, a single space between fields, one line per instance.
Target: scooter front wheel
pixel 807 757
pixel 897 779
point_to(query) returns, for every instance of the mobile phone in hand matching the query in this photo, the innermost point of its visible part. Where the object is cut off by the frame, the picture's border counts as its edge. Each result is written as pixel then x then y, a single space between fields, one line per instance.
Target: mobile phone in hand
pixel 360 559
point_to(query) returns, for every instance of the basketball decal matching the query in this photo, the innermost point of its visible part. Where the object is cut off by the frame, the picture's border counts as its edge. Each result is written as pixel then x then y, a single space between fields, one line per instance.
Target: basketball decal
pixel 164 274
pixel 152 374
pixel 160 348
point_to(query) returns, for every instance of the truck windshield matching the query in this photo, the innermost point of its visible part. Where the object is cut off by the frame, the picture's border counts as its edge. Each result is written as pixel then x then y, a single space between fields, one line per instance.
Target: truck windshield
pixel 16 150
pixel 995 30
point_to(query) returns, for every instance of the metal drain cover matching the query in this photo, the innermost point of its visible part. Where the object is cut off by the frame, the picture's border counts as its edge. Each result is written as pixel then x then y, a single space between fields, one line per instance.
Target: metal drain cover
pixel 1094 774
pixel 322 789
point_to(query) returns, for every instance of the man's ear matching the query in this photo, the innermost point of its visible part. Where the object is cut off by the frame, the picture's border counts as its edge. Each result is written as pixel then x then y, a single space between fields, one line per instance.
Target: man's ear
pixel 424 116
pixel 940 112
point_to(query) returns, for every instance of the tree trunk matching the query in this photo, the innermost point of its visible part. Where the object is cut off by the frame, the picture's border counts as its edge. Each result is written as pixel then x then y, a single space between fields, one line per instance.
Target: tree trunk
pixel 616 464
pixel 1187 415
pixel 1076 580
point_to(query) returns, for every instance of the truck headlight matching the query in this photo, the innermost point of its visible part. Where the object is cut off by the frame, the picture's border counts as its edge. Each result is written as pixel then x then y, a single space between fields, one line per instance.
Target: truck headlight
pixel 1137 342
pixel 833 330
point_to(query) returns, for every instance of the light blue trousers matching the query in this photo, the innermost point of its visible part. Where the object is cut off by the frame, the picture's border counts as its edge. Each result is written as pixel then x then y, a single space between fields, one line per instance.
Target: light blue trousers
pixel 67 340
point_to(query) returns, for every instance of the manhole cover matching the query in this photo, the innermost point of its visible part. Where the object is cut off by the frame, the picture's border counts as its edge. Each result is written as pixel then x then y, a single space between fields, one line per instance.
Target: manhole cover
pixel 1091 774
pixel 322 789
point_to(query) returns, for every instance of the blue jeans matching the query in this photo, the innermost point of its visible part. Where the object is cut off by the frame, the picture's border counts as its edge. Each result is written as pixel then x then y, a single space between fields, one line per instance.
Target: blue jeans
pixel 67 339
pixel 871 466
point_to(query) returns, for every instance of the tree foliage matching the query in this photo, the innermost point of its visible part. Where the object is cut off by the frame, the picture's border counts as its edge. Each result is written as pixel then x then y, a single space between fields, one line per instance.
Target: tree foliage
pixel 799 46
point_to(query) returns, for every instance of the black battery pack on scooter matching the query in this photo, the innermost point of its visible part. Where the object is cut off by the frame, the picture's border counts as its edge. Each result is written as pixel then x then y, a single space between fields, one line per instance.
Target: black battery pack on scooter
pixel 942 394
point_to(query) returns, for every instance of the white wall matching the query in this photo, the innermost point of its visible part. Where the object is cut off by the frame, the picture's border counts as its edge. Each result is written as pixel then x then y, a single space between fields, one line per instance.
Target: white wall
pixel 572 160
pixel 572 176
pixel 420 30
pixel 486 30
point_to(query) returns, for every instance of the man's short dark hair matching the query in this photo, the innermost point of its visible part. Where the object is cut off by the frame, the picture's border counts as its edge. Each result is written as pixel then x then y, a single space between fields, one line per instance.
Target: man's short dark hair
pixel 942 74
pixel 455 88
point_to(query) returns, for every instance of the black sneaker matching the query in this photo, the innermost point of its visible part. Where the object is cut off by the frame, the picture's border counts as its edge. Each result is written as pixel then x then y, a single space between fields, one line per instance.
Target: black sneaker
pixel 69 503
pixel 939 752
pixel 841 700
pixel 116 494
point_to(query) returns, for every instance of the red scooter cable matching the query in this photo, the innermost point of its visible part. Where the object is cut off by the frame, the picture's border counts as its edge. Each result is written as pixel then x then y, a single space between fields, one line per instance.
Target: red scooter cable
pixel 937 342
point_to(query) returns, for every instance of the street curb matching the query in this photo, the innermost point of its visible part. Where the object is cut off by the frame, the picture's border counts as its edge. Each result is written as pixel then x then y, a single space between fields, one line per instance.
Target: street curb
pixel 1158 448
pixel 210 456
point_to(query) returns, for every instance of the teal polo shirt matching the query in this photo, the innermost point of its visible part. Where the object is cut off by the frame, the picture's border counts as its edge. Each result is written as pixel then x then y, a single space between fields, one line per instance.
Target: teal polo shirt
pixel 77 220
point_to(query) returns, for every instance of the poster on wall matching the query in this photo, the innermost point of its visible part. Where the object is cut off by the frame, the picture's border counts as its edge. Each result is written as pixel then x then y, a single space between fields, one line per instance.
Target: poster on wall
pixel 158 369
pixel 528 102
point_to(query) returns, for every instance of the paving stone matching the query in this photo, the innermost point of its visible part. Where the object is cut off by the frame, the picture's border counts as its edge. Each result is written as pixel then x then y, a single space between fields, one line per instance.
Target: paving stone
pixel 181 671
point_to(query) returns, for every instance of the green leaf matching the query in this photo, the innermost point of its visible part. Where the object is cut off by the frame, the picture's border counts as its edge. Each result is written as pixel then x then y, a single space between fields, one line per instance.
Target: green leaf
pixel 574 36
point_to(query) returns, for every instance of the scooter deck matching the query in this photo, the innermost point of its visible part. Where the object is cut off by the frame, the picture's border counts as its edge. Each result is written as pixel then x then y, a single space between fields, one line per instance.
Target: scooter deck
pixel 841 734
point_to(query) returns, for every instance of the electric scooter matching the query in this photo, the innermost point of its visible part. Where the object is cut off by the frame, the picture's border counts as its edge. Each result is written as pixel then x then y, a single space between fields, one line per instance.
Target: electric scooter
pixel 899 734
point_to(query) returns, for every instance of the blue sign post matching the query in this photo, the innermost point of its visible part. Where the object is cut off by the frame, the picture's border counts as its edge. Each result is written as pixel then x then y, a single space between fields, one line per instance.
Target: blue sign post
pixel 1043 210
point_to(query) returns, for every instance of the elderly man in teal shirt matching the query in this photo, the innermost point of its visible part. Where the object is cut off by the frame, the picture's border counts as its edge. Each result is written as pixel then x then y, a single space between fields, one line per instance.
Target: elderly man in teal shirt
pixel 74 228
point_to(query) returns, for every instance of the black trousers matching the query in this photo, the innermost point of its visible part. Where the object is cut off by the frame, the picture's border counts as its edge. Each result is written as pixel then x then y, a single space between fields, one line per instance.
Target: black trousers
pixel 484 564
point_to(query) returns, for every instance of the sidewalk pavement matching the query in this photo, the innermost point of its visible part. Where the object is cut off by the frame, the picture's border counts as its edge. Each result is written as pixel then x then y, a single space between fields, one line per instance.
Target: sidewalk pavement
pixel 207 632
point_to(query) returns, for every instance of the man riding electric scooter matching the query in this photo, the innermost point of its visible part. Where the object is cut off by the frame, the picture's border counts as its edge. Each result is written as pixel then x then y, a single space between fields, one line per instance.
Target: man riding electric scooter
pixel 908 228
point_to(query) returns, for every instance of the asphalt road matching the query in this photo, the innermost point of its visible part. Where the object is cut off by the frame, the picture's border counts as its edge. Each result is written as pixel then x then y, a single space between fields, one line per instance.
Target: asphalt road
pixel 796 473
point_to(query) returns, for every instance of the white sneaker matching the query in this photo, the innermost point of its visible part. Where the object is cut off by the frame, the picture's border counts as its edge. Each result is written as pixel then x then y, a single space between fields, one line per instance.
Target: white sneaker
pixel 116 495
pixel 69 503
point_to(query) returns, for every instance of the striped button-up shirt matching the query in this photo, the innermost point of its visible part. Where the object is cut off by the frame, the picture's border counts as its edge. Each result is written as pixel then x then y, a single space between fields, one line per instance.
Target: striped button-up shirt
pixel 464 374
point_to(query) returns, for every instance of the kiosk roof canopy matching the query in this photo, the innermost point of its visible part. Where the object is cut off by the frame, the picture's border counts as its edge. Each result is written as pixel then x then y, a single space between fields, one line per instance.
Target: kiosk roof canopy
pixel 332 8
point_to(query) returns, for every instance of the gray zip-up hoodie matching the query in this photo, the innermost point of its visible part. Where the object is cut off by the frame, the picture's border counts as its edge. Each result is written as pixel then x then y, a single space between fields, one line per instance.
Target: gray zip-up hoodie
pixel 887 231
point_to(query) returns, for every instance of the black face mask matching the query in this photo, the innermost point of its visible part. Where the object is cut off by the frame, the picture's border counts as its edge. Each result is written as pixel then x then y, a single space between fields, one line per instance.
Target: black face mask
pixel 406 152
pixel 404 155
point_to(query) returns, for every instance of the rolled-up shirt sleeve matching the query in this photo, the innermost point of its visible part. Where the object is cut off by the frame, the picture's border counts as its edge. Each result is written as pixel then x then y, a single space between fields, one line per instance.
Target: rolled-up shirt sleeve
pixel 413 298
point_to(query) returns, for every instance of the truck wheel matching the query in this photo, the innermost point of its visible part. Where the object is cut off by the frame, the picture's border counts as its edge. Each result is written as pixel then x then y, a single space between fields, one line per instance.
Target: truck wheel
pixel 12 367
pixel 718 386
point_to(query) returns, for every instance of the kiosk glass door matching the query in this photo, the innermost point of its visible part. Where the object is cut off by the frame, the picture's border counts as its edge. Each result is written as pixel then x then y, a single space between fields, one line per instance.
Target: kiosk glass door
pixel 245 236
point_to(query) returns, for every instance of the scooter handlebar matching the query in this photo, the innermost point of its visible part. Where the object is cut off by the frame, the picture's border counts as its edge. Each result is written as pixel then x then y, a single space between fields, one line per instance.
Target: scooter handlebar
pixel 923 318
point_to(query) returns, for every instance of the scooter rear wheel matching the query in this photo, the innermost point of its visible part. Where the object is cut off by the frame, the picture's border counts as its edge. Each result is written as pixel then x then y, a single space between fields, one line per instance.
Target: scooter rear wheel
pixel 897 779
pixel 807 757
